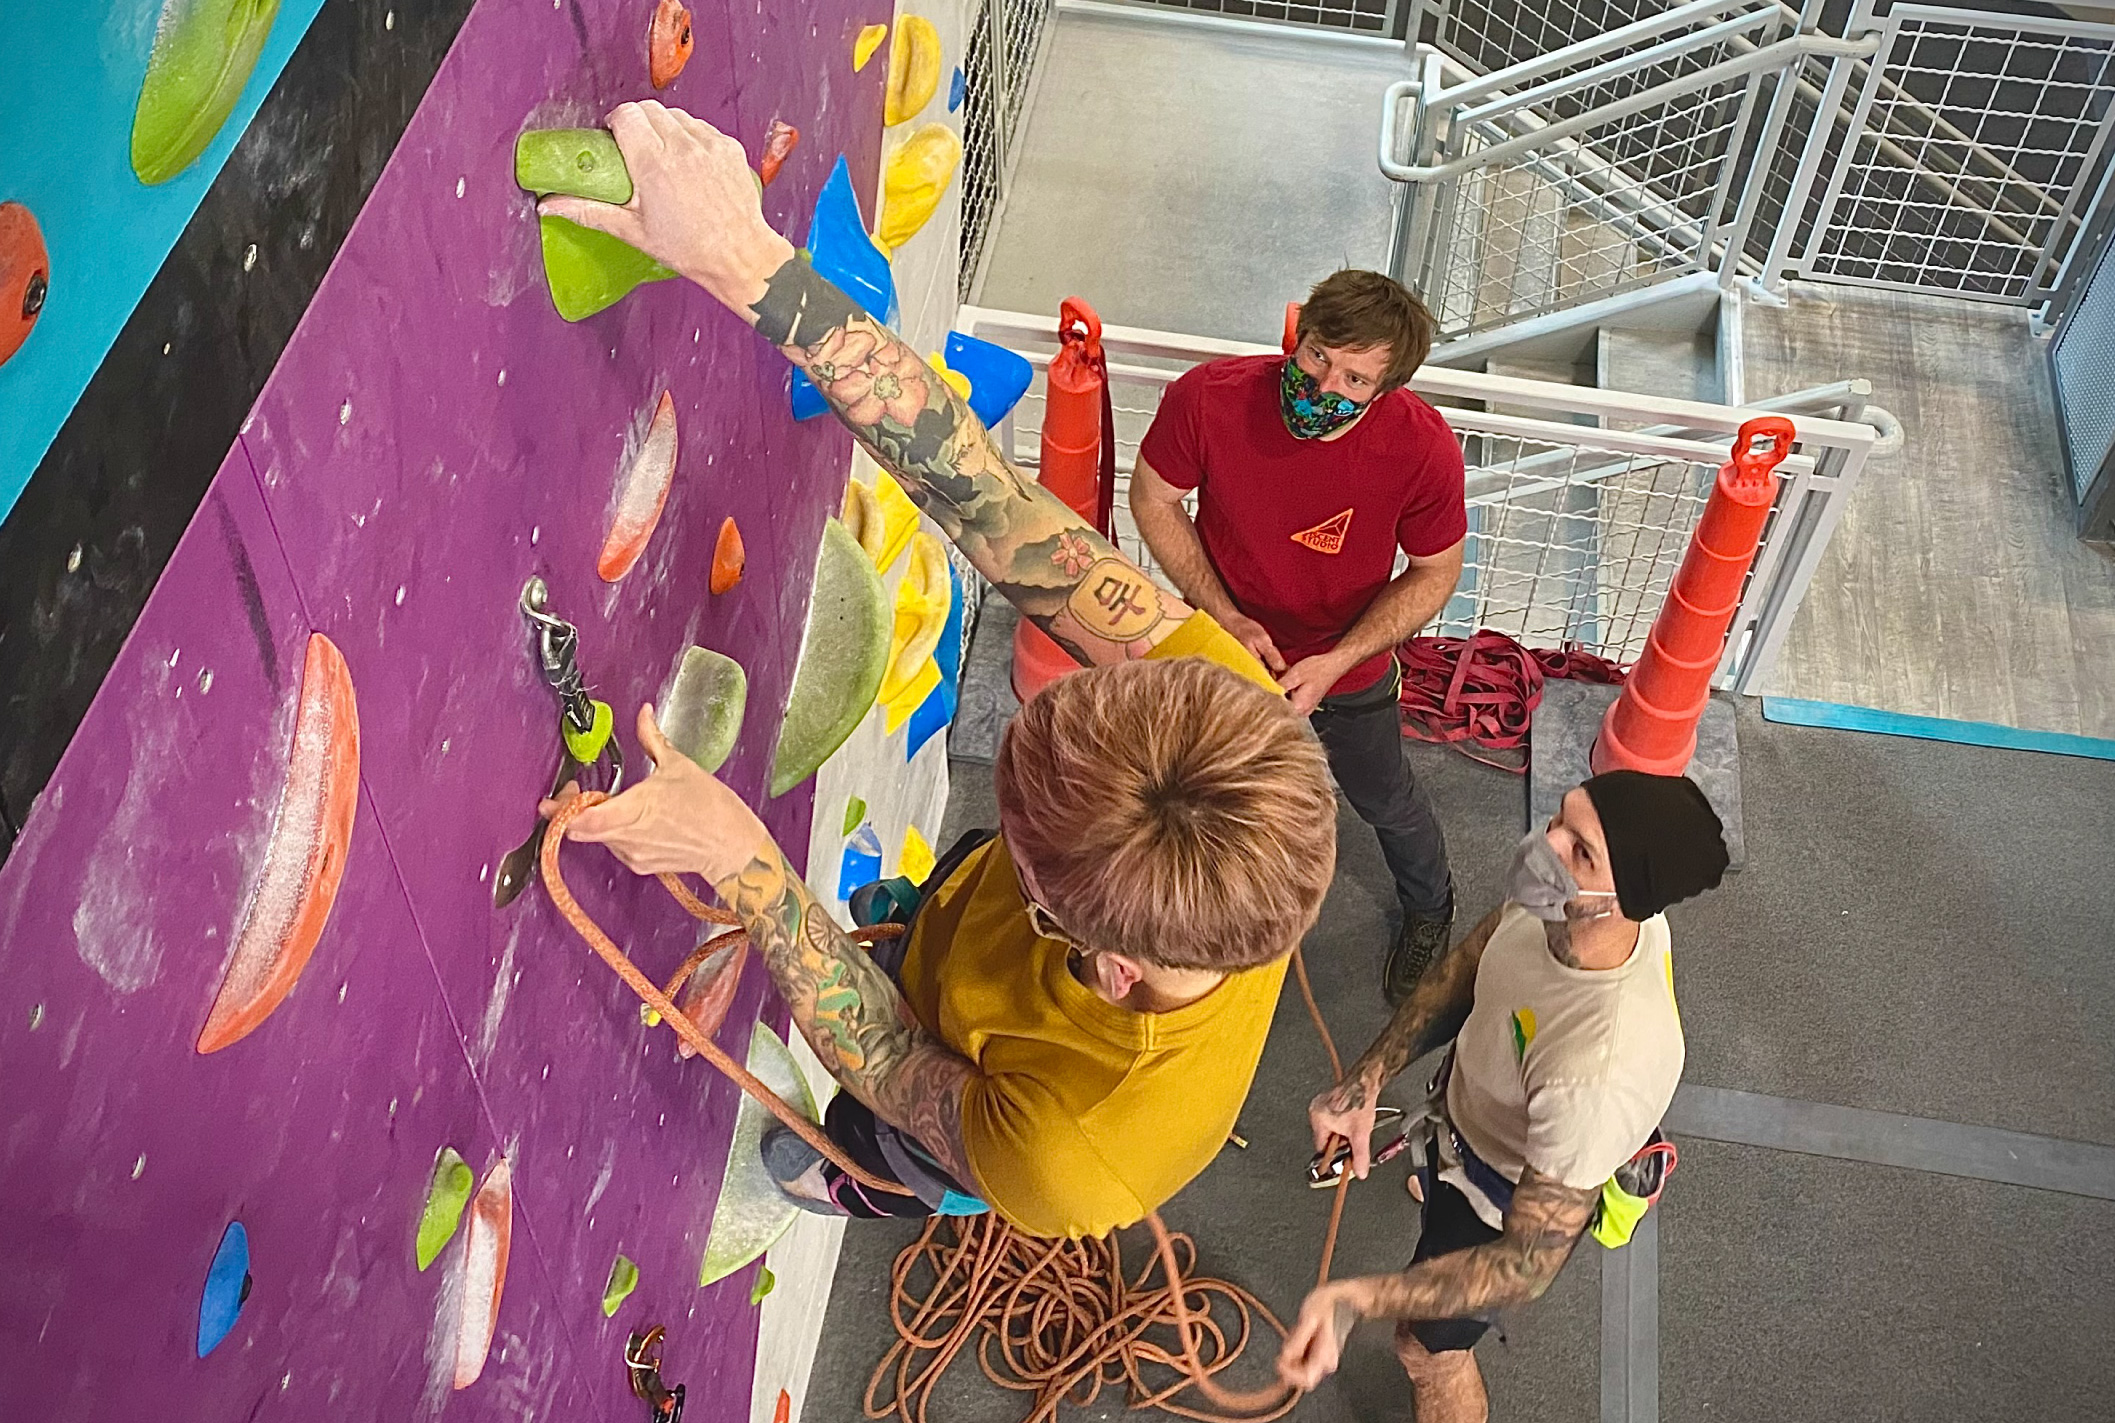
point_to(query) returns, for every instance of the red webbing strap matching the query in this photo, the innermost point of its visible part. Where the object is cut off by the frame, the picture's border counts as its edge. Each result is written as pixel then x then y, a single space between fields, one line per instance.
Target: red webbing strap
pixel 1482 690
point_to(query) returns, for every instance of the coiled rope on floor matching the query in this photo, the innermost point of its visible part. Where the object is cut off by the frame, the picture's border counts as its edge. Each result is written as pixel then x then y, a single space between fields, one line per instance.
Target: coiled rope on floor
pixel 1060 1319
pixel 1482 690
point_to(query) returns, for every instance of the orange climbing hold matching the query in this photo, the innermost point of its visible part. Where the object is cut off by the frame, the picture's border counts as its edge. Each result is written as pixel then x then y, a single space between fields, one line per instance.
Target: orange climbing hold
pixel 306 856
pixel 780 141
pixel 729 558
pixel 25 276
pixel 642 494
pixel 667 43
pixel 485 1248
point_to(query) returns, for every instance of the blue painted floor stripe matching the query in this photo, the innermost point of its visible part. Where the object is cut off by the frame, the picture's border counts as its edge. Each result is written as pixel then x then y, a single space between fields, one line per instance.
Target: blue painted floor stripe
pixel 1794 712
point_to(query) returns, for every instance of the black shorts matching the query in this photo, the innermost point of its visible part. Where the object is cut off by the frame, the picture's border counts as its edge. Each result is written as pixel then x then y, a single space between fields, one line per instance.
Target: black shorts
pixel 1449 1224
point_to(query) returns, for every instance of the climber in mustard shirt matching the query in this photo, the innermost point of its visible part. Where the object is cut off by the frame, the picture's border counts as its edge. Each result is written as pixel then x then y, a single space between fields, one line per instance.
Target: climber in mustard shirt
pixel 1069 1028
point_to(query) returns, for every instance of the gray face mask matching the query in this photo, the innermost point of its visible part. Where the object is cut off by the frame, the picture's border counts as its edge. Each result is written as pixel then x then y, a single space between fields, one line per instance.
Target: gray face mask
pixel 1542 885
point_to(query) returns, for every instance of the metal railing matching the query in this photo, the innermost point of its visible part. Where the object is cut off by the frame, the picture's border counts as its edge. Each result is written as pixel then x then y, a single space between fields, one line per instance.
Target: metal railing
pixel 1575 529
pixel 1000 62
pixel 1932 150
pixel 1365 17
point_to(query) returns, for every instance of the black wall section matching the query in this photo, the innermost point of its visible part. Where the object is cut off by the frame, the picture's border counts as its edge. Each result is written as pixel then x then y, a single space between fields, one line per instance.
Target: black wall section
pixel 82 548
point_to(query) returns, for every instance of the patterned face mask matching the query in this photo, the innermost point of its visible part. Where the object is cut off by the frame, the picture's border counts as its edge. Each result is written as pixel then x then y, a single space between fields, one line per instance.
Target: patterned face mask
pixel 1309 413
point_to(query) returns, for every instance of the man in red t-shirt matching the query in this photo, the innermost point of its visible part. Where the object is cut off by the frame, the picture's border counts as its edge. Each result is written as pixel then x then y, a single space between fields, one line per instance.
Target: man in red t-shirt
pixel 1311 470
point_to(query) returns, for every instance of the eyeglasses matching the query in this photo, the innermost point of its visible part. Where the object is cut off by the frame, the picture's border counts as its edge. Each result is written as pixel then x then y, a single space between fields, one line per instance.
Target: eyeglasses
pixel 1042 921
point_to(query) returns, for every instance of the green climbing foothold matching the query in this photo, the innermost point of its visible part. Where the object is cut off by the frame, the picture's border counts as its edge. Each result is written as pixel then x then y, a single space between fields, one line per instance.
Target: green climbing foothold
pixel 766 1282
pixel 702 713
pixel 445 1199
pixel 589 270
pixel 203 53
pixel 624 1278
pixel 586 746
pixel 855 811
pixel 842 659
pixel 752 1212
pixel 578 162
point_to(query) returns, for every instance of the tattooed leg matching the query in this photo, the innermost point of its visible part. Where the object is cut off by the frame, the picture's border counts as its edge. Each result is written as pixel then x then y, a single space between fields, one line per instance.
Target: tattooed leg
pixel 1064 577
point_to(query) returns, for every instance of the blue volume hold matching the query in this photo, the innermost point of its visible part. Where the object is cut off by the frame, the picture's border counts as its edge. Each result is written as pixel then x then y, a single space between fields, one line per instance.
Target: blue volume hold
pixel 938 708
pixel 227 1286
pixel 998 378
pixel 956 88
pixel 842 253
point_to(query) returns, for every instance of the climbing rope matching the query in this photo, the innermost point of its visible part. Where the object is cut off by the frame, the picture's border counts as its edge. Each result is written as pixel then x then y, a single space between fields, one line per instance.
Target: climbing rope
pixel 1482 690
pixel 1056 1318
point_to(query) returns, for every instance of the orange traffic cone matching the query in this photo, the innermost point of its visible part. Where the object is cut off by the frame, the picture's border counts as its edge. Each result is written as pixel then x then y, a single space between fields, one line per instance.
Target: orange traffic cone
pixel 1075 468
pixel 1651 726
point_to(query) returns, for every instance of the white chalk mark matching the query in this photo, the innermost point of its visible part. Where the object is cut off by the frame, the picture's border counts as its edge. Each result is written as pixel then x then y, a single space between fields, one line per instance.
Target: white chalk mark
pixel 458 187
pixel 139 1167
pixel 249 258
pixel 345 412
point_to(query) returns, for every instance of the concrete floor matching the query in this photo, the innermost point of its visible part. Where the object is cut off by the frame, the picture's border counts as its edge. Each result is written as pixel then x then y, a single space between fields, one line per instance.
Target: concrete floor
pixel 1920 931
pixel 1192 180
pixel 1955 586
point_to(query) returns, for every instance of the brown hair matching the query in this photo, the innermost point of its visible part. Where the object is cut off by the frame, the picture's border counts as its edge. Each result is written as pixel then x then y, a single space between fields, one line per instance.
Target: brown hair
pixel 1361 310
pixel 1170 810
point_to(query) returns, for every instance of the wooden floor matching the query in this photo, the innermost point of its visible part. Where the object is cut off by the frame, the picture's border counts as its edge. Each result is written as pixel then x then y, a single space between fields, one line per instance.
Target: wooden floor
pixel 1954 586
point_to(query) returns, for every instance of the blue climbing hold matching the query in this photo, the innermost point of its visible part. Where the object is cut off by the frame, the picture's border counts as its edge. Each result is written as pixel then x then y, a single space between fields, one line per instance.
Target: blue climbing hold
pixel 998 378
pixel 840 250
pixel 227 1286
pixel 938 708
pixel 861 863
pixel 956 87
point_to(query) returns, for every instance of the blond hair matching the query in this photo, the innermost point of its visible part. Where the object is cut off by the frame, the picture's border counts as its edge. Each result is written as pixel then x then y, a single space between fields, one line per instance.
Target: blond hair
pixel 1172 811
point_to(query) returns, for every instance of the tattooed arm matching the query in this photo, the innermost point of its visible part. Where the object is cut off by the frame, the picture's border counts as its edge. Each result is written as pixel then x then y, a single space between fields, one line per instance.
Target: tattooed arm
pixel 694 207
pixel 1431 1015
pixel 849 1011
pixel 680 820
pixel 1545 1222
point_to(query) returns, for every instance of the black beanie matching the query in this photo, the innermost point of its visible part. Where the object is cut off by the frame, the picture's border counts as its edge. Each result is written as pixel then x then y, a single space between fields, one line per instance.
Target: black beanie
pixel 1665 842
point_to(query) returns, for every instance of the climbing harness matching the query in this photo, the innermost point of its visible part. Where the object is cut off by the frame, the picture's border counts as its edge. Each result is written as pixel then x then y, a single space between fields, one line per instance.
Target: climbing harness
pixel 1482 690
pixel 585 728
pixel 1062 1317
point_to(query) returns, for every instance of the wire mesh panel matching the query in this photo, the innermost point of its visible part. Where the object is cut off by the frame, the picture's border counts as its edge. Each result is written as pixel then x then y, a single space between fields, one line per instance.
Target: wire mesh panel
pixel 1978 140
pixel 1489 35
pixel 980 147
pixel 1572 541
pixel 1604 208
pixel 1023 39
pixel 1359 16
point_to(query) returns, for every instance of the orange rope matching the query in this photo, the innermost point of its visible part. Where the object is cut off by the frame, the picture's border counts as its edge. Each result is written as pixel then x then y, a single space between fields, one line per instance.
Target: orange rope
pixel 660 1002
pixel 1056 1318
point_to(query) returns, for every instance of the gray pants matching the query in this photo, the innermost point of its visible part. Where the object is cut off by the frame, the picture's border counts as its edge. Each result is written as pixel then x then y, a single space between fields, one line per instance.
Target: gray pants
pixel 1363 734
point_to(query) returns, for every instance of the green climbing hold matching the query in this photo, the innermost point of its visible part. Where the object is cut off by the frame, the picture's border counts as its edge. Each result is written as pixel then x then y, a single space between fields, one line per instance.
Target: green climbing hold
pixel 445 1199
pixel 842 659
pixel 579 162
pixel 752 1213
pixel 624 1278
pixel 855 811
pixel 702 713
pixel 586 746
pixel 766 1282
pixel 203 53
pixel 589 270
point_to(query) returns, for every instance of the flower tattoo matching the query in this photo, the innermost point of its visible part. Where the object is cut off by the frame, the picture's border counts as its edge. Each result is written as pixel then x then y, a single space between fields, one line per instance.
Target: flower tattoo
pixel 1072 555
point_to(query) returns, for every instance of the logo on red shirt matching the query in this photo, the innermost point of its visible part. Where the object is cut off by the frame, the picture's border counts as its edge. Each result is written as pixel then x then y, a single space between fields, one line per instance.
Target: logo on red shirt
pixel 1327 536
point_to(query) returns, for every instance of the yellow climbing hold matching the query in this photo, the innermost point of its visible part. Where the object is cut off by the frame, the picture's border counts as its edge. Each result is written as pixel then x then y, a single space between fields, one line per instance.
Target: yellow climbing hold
pixel 916 861
pixel 916 178
pixel 863 48
pixel 922 600
pixel 862 517
pixel 914 69
pixel 899 520
pixel 956 381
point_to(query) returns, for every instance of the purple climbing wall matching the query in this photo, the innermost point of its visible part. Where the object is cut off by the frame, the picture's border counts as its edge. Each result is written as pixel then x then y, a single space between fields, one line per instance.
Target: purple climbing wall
pixel 433 435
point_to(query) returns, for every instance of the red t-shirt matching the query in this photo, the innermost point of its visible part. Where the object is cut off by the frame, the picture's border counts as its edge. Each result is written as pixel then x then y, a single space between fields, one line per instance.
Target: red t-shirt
pixel 1303 533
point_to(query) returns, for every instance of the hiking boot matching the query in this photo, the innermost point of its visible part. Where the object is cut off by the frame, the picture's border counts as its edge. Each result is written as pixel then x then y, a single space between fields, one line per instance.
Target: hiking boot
pixel 796 1168
pixel 1416 945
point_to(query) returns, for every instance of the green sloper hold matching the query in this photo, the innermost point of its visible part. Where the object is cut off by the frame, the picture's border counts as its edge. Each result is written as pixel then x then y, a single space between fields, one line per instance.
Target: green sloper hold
pixel 445 1199
pixel 751 1213
pixel 589 270
pixel 702 713
pixel 855 811
pixel 579 162
pixel 842 659
pixel 203 53
pixel 624 1278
